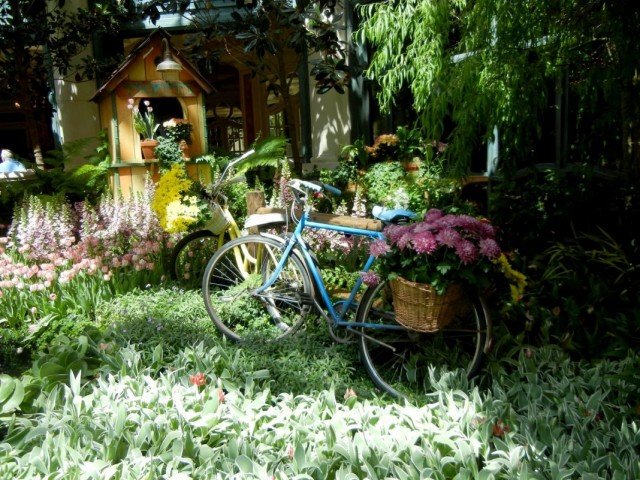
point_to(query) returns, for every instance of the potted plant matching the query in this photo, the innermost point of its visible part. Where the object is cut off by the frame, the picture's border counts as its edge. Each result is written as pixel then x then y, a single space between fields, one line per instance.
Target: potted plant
pixel 178 130
pixel 439 255
pixel 145 124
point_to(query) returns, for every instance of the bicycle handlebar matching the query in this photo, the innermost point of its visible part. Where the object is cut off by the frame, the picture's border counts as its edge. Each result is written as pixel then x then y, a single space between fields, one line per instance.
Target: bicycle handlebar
pixel 304 186
pixel 216 186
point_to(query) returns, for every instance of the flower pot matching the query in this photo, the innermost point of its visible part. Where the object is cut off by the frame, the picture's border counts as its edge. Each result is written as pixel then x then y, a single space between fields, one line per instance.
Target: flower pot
pixel 418 307
pixel 148 148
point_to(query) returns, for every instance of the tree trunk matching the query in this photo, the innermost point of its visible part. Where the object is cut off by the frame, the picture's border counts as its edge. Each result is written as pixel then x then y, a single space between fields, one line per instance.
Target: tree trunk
pixel 33 134
pixel 25 103
pixel 290 114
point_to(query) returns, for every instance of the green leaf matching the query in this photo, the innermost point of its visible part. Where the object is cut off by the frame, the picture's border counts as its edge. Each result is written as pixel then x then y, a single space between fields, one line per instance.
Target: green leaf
pixel 300 456
pixel 12 392
pixel 245 464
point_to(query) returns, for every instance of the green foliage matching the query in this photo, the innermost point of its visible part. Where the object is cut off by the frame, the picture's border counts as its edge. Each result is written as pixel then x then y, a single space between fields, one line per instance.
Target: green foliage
pixel 537 412
pixel 168 152
pixel 175 317
pixel 583 296
pixel 269 152
pixel 470 66
pixel 382 181
pixel 388 184
pixel 339 277
pixel 178 132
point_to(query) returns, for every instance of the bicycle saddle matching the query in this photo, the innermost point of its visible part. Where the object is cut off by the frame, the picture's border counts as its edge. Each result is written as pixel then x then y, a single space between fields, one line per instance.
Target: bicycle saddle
pixel 396 215
pixel 266 216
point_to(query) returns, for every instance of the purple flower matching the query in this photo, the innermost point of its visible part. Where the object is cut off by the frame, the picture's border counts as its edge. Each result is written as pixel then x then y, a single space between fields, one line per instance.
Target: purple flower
pixel 379 248
pixel 424 242
pixel 467 251
pixel 433 214
pixel 447 221
pixel 489 248
pixel 404 240
pixel 395 232
pixel 370 278
pixel 486 230
pixel 423 227
pixel 448 236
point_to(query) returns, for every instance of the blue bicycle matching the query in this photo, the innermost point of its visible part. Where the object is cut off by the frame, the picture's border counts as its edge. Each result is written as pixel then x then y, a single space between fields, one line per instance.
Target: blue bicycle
pixel 258 288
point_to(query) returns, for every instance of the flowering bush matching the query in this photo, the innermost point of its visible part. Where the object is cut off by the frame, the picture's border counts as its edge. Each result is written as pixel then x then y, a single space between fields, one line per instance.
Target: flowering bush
pixel 443 250
pixel 58 262
pixel 144 123
pixel 177 206
pixel 177 130
pixel 384 147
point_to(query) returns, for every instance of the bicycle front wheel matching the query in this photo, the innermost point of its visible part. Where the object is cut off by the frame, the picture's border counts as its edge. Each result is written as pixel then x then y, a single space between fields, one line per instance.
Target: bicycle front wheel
pixel 230 287
pixel 190 256
pixel 398 360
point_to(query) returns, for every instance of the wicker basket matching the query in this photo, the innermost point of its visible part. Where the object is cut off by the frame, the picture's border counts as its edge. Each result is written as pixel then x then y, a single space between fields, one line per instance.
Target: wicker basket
pixel 219 221
pixel 418 307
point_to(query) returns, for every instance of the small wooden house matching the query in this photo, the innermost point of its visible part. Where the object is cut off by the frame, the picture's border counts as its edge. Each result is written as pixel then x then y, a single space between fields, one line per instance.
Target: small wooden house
pixel 175 94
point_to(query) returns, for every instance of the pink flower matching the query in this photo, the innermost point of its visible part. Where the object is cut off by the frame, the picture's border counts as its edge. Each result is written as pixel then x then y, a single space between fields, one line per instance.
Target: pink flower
pixel 394 232
pixel 198 379
pixel 489 248
pixel 467 251
pixel 52 297
pixel 379 248
pixel 448 237
pixel 424 242
pixel 404 240
pixel 433 214
pixel 370 278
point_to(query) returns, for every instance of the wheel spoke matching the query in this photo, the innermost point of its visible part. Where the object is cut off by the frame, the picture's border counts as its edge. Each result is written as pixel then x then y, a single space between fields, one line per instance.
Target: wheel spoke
pixel 398 361
pixel 231 285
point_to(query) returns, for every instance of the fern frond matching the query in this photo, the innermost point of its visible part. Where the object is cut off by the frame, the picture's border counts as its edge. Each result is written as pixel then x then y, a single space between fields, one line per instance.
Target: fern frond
pixel 268 153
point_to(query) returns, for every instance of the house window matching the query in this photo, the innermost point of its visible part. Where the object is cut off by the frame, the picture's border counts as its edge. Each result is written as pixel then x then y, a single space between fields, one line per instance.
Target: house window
pixel 164 108
pixel 225 128
pixel 277 124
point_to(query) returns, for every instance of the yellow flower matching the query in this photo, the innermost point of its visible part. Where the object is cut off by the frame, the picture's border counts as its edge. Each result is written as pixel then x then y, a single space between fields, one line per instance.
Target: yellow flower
pixel 175 213
pixel 517 280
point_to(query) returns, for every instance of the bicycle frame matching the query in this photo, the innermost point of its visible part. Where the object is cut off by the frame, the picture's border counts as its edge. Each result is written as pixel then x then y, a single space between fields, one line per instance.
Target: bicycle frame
pixel 296 241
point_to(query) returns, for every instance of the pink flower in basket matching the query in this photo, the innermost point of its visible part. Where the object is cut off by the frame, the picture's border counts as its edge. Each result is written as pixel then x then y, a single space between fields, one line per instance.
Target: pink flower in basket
pixel 442 250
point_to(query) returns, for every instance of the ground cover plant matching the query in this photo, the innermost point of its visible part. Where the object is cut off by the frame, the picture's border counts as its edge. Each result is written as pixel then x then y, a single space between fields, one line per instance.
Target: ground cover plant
pixel 127 403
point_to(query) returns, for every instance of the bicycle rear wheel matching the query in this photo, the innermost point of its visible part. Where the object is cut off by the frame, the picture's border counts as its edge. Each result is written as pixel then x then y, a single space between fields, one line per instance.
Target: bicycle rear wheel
pixel 190 256
pixel 398 360
pixel 230 285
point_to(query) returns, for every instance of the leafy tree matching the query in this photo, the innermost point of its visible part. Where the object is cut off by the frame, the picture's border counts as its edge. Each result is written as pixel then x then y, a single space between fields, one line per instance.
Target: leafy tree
pixel 37 36
pixel 470 65
pixel 270 30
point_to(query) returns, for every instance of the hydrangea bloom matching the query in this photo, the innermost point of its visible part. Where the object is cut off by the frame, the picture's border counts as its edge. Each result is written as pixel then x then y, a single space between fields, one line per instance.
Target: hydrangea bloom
pixel 441 250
